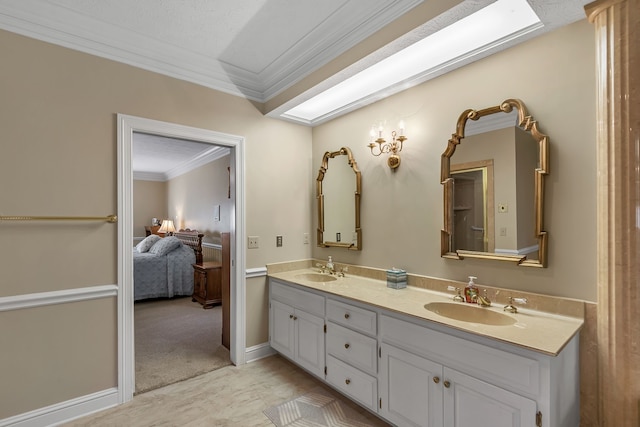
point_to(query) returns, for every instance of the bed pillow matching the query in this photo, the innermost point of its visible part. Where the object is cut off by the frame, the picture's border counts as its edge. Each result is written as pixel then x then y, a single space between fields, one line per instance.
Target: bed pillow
pixel 147 243
pixel 164 246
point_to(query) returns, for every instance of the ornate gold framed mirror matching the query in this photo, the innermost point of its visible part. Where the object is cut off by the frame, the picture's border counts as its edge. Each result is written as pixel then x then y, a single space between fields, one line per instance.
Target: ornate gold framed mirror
pixel 338 196
pixel 494 187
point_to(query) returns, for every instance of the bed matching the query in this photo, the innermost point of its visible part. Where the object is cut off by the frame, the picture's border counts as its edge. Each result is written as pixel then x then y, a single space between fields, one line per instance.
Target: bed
pixel 162 267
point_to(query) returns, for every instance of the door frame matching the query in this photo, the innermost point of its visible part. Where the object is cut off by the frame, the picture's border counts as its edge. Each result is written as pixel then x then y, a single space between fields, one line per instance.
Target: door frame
pixel 127 125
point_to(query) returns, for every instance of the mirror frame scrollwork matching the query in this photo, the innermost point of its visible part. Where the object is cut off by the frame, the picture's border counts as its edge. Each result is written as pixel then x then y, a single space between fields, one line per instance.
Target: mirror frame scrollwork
pixel 344 151
pixel 525 122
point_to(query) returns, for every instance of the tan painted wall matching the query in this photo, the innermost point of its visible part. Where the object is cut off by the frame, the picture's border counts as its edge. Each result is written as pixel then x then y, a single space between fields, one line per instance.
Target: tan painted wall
pixel 402 212
pixel 149 201
pixel 192 196
pixel 58 120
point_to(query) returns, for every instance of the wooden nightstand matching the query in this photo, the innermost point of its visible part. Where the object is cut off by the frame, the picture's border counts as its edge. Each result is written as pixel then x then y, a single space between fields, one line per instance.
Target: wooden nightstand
pixel 207 283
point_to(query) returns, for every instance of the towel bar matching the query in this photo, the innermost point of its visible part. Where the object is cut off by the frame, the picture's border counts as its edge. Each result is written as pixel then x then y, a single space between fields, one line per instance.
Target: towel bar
pixel 109 218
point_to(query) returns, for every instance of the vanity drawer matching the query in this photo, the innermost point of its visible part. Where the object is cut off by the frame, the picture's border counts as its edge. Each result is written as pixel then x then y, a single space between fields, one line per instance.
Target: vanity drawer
pixel 352 347
pixel 303 300
pixel 353 382
pixel 352 317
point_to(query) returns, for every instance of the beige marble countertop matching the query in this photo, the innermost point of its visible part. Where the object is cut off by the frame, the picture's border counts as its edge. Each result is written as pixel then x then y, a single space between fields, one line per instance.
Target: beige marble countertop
pixel 536 330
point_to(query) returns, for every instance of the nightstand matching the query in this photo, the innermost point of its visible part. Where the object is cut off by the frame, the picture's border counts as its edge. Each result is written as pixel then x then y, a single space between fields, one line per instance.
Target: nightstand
pixel 207 283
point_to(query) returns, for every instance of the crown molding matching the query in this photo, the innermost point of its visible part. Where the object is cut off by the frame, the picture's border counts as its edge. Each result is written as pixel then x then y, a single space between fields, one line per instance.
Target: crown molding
pixel 208 156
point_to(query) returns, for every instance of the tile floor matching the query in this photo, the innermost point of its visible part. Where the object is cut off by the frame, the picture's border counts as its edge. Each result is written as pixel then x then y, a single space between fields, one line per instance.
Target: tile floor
pixel 230 396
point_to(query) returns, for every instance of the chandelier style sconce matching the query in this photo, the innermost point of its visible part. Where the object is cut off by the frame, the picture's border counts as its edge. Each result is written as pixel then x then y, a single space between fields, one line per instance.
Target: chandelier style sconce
pixel 380 145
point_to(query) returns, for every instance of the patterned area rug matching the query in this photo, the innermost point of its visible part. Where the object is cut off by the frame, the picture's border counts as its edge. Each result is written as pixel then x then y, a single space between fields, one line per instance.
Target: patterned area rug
pixel 316 408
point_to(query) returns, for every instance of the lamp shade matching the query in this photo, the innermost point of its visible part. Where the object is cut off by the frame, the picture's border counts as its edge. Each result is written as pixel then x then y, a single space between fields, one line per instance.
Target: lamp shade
pixel 167 226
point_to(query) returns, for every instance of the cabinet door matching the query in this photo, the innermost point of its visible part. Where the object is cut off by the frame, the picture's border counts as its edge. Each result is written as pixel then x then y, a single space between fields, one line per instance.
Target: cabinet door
pixel 281 328
pixel 469 402
pixel 410 388
pixel 309 342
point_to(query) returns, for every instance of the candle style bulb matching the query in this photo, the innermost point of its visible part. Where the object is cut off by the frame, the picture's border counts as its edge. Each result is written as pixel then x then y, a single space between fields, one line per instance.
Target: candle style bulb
pixel 401 126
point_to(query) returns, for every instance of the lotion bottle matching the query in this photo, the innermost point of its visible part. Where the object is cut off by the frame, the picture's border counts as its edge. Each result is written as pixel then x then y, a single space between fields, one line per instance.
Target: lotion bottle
pixel 471 291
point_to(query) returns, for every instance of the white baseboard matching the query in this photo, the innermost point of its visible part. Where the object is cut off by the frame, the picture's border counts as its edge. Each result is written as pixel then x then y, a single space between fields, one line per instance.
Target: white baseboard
pixel 258 352
pixel 64 412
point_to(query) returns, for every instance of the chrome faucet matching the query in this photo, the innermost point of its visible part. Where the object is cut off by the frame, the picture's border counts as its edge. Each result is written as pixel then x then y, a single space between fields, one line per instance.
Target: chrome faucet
pixel 512 308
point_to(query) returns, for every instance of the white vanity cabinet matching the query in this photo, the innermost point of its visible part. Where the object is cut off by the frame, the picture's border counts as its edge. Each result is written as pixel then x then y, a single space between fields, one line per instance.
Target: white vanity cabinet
pixel 431 378
pixel 415 391
pixel 416 372
pixel 352 352
pixel 296 326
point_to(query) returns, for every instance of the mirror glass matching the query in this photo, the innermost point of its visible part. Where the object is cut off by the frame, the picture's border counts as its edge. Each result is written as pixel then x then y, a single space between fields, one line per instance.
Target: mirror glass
pixel 338 189
pixel 492 172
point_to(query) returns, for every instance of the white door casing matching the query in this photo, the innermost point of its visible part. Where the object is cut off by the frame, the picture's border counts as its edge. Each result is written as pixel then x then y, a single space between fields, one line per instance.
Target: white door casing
pixel 127 125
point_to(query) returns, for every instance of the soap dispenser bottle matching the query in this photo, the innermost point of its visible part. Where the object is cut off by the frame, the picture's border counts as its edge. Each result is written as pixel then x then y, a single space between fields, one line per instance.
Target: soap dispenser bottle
pixel 471 291
pixel 330 264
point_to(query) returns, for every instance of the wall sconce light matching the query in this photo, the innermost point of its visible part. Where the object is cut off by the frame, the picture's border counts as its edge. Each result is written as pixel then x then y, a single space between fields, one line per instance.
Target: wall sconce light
pixel 379 146
pixel 167 227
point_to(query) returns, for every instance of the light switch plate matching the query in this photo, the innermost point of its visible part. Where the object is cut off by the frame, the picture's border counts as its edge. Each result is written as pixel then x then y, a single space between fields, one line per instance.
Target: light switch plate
pixel 254 242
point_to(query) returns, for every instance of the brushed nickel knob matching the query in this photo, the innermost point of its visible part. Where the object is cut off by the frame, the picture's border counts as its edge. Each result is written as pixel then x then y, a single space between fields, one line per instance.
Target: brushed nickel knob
pixel 447 384
pixel 346 315
pixel 347 345
pixel 436 380
pixel 347 381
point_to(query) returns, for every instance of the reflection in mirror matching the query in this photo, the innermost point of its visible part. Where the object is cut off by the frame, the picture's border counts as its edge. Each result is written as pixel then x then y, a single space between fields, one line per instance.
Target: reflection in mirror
pixel 494 188
pixel 338 194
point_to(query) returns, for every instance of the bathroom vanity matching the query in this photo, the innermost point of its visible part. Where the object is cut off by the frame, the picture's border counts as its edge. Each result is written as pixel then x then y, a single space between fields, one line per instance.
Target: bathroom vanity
pixel 414 367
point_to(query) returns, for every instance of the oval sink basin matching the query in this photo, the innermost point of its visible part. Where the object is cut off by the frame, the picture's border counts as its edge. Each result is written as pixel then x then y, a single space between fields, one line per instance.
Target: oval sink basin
pixel 316 277
pixel 470 313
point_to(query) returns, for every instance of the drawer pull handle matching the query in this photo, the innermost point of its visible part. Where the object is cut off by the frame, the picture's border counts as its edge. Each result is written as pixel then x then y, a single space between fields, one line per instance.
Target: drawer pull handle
pixel 436 380
pixel 346 315
pixel 447 384
pixel 347 381
pixel 347 345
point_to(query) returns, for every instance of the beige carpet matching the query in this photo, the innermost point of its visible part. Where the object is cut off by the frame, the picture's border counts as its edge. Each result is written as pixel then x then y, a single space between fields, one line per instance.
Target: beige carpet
pixel 318 407
pixel 176 339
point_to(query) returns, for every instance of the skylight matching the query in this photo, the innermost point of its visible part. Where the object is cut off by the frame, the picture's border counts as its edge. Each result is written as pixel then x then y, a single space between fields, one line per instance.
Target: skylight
pixel 493 25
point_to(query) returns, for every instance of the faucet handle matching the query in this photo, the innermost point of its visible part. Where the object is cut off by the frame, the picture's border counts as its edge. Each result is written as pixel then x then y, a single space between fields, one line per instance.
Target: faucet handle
pixel 458 296
pixel 512 308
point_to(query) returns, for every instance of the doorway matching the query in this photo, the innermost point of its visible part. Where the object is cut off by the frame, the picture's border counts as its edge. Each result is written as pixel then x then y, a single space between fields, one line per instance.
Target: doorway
pixel 473 213
pixel 127 125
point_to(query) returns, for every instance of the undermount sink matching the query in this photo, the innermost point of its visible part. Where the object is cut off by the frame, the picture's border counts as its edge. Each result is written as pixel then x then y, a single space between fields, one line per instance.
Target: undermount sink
pixel 316 277
pixel 470 313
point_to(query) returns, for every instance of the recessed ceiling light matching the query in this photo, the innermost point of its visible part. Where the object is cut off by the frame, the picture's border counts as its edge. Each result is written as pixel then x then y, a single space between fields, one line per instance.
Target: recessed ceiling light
pixel 493 25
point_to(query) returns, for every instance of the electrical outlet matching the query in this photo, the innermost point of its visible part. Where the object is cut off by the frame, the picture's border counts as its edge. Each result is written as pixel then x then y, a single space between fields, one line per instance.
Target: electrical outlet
pixel 278 241
pixel 338 237
pixel 305 238
pixel 503 231
pixel 254 242
pixel 503 208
